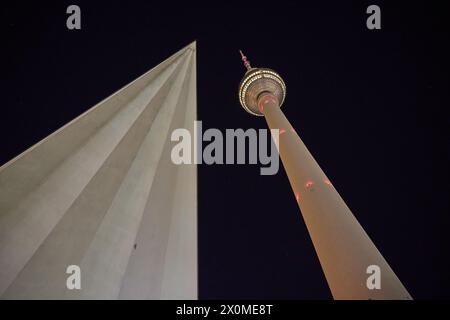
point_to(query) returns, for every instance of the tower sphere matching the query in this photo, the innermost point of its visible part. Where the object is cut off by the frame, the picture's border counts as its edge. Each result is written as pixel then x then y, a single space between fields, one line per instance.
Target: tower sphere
pixel 256 82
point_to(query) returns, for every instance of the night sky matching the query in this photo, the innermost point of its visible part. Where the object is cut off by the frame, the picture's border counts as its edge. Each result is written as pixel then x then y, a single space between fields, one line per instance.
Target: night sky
pixel 369 104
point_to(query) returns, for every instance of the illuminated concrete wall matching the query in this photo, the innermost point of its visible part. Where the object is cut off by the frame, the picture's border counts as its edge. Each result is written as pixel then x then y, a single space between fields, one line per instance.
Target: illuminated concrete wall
pixel 102 193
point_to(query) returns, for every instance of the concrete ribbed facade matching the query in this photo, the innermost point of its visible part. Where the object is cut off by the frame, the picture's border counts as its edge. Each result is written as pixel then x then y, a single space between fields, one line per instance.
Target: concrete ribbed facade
pixel 102 193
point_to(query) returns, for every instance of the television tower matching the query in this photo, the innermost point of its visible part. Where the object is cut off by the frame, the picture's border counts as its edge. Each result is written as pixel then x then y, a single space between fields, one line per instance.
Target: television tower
pixel 353 266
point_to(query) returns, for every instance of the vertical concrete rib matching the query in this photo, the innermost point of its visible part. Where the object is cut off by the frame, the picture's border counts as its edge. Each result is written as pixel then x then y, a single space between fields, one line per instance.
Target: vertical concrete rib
pixel 157 225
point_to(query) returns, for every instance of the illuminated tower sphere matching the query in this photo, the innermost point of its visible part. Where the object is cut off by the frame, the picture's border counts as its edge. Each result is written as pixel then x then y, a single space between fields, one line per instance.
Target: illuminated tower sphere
pixel 353 266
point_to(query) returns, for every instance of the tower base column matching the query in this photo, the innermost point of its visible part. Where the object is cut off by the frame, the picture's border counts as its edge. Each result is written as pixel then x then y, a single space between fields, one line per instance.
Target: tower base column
pixel 353 266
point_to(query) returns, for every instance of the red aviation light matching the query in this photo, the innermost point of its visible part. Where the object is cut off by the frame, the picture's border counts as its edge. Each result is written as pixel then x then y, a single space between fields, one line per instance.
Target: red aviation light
pixel 309 184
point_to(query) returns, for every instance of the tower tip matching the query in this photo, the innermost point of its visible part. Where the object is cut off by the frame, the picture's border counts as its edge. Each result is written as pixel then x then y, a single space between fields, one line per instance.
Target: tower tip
pixel 244 59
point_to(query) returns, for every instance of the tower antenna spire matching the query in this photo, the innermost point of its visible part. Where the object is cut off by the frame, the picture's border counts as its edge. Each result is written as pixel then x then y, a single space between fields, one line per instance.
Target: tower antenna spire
pixel 246 62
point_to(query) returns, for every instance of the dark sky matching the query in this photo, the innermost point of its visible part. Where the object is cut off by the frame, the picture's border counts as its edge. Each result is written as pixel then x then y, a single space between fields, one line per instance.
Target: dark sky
pixel 369 105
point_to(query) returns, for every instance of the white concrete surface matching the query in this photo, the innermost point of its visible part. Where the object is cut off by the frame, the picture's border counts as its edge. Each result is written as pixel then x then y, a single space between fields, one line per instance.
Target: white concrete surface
pixel 102 193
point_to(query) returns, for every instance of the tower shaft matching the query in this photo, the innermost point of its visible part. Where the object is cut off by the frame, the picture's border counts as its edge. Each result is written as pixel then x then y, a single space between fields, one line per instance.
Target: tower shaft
pixel 344 249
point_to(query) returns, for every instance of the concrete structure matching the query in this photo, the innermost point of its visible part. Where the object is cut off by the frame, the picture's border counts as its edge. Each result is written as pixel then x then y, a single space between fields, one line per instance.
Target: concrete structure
pixel 344 249
pixel 102 193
